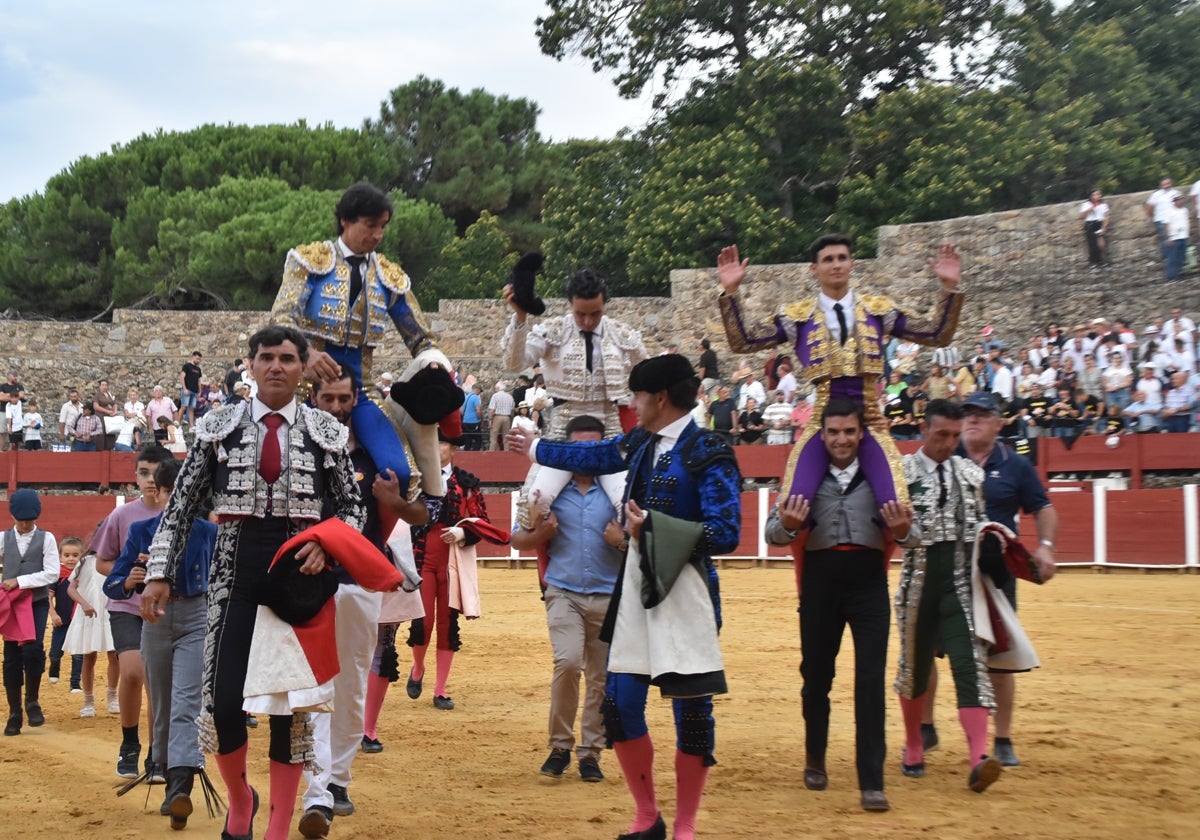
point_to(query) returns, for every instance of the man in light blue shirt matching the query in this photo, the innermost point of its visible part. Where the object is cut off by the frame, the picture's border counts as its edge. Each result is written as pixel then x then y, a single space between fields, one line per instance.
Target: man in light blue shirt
pixel 585 545
pixel 1143 414
pixel 472 420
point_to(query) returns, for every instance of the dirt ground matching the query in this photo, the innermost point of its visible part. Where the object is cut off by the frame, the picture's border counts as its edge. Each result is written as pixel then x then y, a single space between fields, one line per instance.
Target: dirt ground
pixel 1107 731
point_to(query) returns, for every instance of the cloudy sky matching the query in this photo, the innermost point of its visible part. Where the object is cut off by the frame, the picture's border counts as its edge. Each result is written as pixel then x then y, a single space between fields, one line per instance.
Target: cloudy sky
pixel 77 77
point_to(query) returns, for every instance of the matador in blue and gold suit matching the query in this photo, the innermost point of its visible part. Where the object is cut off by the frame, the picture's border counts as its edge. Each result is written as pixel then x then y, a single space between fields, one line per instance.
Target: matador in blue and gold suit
pixel 696 480
pixel 314 298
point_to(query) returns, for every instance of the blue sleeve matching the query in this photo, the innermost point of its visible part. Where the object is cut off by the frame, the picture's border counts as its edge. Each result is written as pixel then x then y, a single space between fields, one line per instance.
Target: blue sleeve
pixel 137 541
pixel 721 505
pixel 599 458
pixel 1031 494
pixel 406 316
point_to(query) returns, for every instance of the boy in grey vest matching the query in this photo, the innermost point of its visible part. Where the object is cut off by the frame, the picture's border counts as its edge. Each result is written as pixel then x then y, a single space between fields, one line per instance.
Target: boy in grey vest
pixel 30 559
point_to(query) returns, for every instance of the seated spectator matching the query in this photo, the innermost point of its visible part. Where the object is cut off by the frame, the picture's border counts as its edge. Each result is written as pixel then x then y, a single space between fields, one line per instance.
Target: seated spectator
pixel 1089 411
pixel 751 422
pixel 897 412
pixel 1064 414
pixel 1149 383
pixel 1179 404
pixel 1027 382
pixel 1036 414
pixel 1048 378
pixel 1114 423
pixel 1143 414
pixel 129 439
pixel 967 380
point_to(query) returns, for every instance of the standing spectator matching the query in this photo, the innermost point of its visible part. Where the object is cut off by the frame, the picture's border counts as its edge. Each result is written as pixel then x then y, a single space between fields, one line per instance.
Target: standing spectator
pixel 67 414
pixel 787 383
pixel 1003 384
pixel 105 406
pixel 1055 337
pixel 937 385
pixel 966 380
pixel 32 426
pixel 1094 214
pixel 947 357
pixel 777 417
pixel 134 407
pixel 160 406
pixel 801 414
pixel 14 419
pixel 1027 382
pixel 384 389
pixel 500 412
pixel 1079 347
pixel 1177 326
pixel 1157 207
pixel 1064 413
pixel 189 387
pixel 751 423
pixel 708 367
pixel 1179 404
pixel 723 411
pixel 1091 378
pixel 1150 384
pixel 87 430
pixel 473 418
pixel 233 376
pixel 1118 381
pixel 752 389
pixel 1177 238
pixel 10 391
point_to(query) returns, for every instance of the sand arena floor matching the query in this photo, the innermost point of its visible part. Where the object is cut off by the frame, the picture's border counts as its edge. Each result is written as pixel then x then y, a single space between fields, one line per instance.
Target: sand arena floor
pixel 1107 731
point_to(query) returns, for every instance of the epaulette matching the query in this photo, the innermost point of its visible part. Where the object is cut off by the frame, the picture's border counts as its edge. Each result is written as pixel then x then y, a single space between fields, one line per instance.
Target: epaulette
pixel 466 480
pixel 877 304
pixel 558 331
pixel 704 450
pixel 219 423
pixel 393 277
pixel 621 334
pixel 317 257
pixel 800 310
pixel 325 429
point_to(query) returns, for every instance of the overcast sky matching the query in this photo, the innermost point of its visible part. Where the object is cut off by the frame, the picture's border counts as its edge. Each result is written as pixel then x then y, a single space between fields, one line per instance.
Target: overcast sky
pixel 77 77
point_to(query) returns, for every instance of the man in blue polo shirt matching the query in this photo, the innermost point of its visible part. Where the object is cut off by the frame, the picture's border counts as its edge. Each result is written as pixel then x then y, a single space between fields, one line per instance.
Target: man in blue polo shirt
pixel 585 545
pixel 1011 485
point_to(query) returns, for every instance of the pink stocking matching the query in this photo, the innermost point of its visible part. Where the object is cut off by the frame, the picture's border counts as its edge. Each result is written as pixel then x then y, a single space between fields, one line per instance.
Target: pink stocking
pixel 444 659
pixel 974 720
pixel 690 775
pixel 285 783
pixel 377 687
pixel 914 747
pixel 237 790
pixel 418 666
pixel 637 763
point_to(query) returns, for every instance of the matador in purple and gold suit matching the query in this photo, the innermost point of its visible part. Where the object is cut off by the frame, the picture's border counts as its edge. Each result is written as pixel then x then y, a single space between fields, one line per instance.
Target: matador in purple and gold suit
pixel 842 353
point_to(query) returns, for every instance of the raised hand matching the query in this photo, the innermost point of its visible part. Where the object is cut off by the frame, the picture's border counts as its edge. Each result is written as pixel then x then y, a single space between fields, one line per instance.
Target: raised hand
pixel 730 270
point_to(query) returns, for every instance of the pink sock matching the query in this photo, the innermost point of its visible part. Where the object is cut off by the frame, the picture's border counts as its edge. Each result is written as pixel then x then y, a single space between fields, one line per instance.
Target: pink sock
pixel 690 775
pixel 914 747
pixel 377 687
pixel 444 659
pixel 974 720
pixel 637 763
pixel 285 784
pixel 237 790
pixel 418 666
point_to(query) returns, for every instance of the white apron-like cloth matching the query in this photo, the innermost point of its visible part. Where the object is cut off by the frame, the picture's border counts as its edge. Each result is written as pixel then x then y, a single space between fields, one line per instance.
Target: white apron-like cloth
pixel 279 680
pixel 1020 655
pixel 678 636
pixel 462 578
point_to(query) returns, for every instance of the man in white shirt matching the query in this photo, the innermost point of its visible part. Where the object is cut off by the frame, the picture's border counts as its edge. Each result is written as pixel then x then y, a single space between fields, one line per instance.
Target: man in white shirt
pixel 1177 237
pixel 752 389
pixel 1178 326
pixel 69 413
pixel 1157 205
pixel 1002 380
pixel 14 416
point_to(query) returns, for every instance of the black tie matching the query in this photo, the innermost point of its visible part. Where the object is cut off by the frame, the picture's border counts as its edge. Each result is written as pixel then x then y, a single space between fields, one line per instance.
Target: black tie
pixel 356 282
pixel 587 347
pixel 942 496
pixel 841 316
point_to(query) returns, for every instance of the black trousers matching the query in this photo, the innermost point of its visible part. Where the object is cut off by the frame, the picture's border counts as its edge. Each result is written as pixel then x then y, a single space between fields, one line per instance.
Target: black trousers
pixel 839 588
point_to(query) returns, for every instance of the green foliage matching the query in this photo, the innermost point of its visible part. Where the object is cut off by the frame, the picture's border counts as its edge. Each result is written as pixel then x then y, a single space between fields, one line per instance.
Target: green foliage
pixel 467 152
pixel 475 266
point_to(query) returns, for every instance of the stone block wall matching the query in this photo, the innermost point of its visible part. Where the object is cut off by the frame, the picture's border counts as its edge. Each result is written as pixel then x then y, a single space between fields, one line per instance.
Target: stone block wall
pixel 1022 269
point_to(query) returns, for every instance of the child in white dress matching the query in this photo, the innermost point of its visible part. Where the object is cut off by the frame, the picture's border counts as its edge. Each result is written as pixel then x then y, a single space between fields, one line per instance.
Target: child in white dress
pixel 89 633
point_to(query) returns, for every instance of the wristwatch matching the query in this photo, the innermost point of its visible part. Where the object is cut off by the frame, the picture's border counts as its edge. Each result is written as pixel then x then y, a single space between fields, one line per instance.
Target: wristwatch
pixel 1048 544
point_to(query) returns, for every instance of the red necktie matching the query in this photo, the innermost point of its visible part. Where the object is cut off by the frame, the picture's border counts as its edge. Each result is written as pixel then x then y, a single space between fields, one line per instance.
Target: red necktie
pixel 270 463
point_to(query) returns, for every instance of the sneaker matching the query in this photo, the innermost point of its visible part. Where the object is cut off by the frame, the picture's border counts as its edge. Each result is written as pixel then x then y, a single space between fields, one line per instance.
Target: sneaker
pixel 589 770
pixel 114 705
pixel 1003 750
pixel 557 763
pixel 342 806
pixel 251 721
pixel 443 703
pixel 929 737
pixel 315 822
pixel 76 690
pixel 127 761
pixel 371 745
pixel 88 710
pixel 52 680
pixel 156 773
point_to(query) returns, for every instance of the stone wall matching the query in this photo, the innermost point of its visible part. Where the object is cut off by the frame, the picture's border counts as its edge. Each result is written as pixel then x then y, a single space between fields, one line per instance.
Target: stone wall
pixel 1022 269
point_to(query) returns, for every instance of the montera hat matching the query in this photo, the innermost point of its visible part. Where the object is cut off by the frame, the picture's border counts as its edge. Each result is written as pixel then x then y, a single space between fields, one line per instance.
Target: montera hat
pixel 522 278
pixel 660 372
